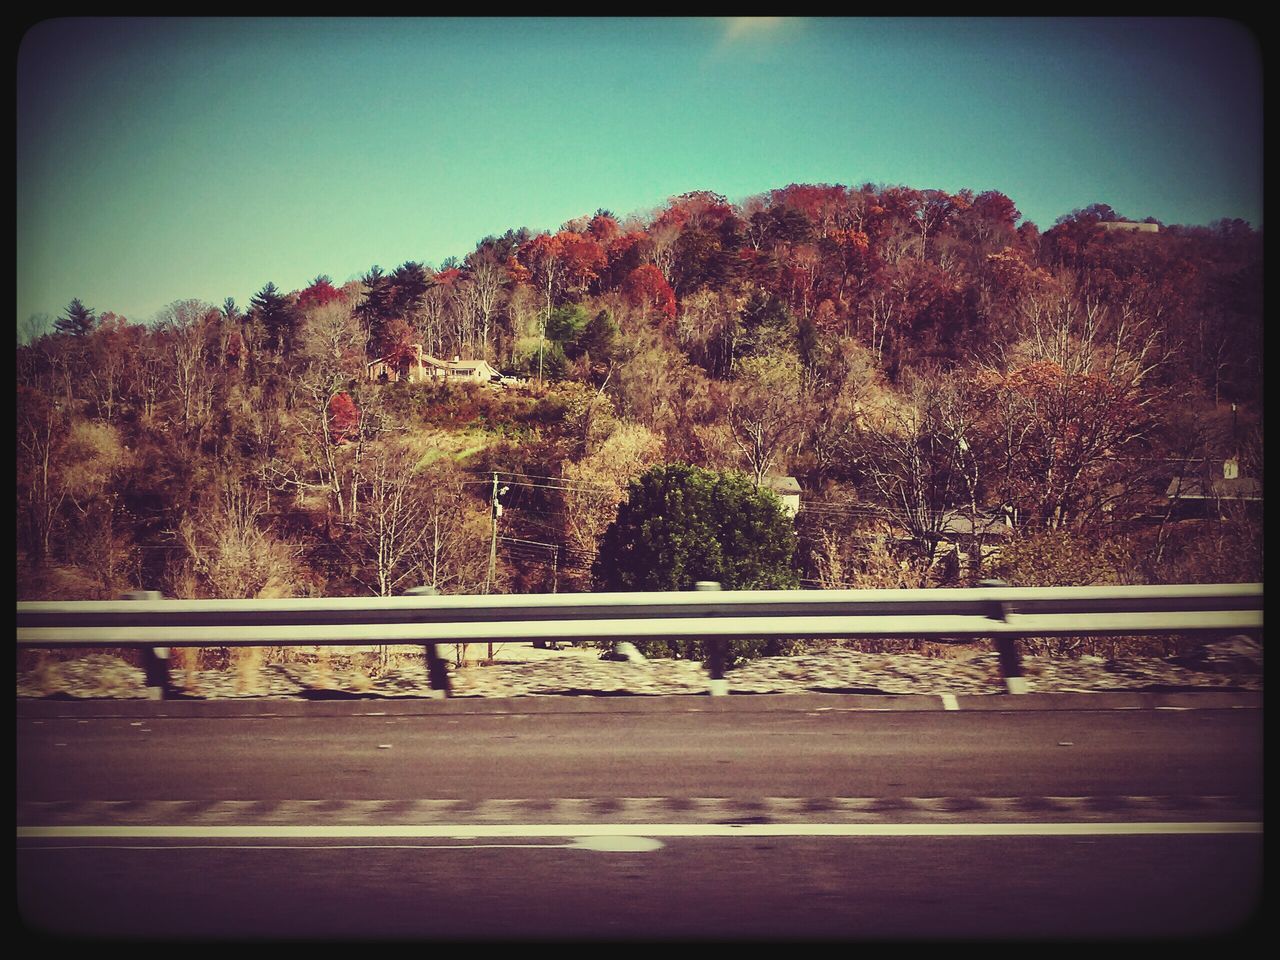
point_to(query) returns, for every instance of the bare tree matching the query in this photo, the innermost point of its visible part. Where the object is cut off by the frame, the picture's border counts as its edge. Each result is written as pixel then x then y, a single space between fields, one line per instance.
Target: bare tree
pixel 764 411
pixel 453 555
pixel 917 461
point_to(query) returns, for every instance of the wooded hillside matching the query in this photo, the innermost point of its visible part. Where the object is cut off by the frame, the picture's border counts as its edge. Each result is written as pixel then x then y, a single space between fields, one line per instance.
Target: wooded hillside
pixel 941 378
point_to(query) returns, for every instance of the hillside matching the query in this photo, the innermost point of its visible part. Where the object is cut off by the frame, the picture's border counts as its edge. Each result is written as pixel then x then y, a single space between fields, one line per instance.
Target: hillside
pixel 957 393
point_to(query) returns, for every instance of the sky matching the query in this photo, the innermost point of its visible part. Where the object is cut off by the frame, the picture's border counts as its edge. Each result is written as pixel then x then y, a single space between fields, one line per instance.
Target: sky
pixel 168 159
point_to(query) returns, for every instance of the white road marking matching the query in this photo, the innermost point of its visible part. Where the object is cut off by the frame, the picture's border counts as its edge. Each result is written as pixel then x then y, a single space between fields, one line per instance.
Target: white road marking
pixel 578 830
pixel 361 846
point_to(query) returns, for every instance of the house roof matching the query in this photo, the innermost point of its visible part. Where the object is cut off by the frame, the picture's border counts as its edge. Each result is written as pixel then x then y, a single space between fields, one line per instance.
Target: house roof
pixel 1193 488
pixel 426 360
pixel 783 486
pixel 958 524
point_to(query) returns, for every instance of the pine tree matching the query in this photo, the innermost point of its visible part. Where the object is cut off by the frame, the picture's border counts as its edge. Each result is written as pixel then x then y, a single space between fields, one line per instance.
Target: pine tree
pixel 78 320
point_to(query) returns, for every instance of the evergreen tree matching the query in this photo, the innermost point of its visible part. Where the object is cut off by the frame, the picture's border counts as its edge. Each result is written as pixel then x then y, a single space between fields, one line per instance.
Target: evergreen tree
pixel 375 309
pixel 77 320
pixel 278 317
pixel 409 286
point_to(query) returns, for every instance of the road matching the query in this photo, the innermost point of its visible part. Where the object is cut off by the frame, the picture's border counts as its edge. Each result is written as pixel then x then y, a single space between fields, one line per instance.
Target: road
pixel 786 817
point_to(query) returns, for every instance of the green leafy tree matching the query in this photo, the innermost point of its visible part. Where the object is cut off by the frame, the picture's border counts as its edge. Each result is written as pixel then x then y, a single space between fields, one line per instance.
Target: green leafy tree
pixel 682 524
pixel 598 338
pixel 565 326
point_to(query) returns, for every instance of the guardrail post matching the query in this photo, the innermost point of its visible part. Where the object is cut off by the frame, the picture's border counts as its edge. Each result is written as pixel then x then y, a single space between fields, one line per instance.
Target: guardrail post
pixel 437 669
pixel 155 660
pixel 717 649
pixel 1006 646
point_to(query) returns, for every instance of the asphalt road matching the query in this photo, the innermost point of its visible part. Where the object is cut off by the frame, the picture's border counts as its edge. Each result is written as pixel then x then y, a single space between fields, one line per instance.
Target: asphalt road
pixel 788 818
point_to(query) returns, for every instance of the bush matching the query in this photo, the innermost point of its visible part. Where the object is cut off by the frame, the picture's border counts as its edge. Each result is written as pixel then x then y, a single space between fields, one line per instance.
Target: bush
pixel 683 524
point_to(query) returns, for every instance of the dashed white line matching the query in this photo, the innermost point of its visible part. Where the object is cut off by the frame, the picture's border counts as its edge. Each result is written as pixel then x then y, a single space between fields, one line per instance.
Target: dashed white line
pixel 578 830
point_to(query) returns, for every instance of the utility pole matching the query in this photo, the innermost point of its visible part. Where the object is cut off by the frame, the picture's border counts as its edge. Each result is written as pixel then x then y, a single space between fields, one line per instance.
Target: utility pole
pixel 495 512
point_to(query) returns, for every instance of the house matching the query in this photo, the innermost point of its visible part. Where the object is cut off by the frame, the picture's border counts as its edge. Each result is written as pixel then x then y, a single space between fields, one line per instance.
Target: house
pixel 418 366
pixel 1130 226
pixel 959 535
pixel 1198 497
pixel 786 489
pixel 957 525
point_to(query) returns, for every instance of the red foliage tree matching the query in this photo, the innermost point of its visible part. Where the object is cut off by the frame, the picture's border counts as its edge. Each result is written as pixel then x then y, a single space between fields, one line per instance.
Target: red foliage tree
pixel 344 419
pixel 646 287
pixel 583 257
pixel 318 294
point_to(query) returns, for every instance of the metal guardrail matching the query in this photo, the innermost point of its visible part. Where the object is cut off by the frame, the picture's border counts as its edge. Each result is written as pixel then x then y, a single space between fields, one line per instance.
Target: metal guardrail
pixel 995 611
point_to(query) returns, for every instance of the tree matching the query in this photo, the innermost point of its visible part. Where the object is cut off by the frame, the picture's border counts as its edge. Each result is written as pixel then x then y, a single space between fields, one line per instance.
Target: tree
pixel 374 308
pixel 597 482
pixel 320 292
pixel 409 286
pixel 487 270
pixel 544 258
pixel 682 524
pixel 1057 439
pixel 390 529
pixel 453 555
pixel 921 461
pixel 647 288
pixel 77 320
pixel 185 325
pixel 278 316
pixel 344 418
pixel 764 411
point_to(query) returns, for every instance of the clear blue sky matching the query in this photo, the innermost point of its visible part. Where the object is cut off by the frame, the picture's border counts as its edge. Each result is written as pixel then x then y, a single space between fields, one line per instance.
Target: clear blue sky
pixel 164 159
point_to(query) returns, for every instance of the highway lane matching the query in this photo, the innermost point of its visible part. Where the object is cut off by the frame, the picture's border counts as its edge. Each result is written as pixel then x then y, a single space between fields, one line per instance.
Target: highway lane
pixel 583 793
pixel 746 752
pixel 746 888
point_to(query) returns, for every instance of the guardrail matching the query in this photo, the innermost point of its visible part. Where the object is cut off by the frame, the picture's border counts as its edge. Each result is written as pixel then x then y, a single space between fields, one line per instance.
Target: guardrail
pixel 994 610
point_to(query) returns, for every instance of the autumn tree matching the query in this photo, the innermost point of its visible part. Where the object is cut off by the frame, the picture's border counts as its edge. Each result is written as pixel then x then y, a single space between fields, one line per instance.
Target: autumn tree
pixel 42 428
pixel 344 418
pixel 544 258
pixel 230 554
pixel 764 412
pixel 486 269
pixel 598 483
pixel 390 527
pixel 453 555
pixel 917 457
pixel 334 338
pixel 185 327
pixel 110 345
pixel 648 289
pixel 1055 436
pixel 321 291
